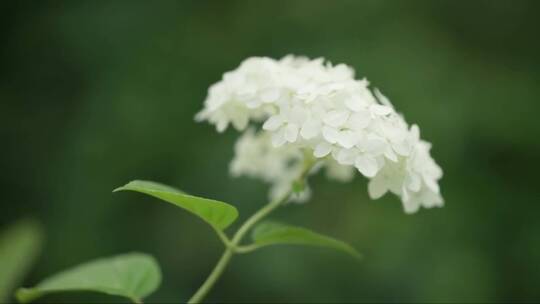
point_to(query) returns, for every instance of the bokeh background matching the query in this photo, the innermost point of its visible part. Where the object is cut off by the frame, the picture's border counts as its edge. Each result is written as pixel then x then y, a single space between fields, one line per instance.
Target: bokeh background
pixel 96 93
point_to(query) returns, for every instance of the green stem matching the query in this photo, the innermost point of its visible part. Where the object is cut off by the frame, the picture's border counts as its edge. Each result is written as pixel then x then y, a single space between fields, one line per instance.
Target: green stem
pixel 257 217
pixel 227 255
pixel 247 248
pixel 212 278
pixel 231 248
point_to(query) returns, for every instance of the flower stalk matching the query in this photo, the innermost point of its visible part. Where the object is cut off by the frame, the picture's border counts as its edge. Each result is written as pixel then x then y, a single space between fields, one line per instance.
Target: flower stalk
pixel 233 246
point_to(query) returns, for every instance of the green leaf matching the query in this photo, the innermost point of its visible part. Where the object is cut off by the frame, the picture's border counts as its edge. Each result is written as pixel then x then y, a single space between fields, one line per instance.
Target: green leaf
pixel 218 214
pixel 20 244
pixel 132 275
pixel 272 233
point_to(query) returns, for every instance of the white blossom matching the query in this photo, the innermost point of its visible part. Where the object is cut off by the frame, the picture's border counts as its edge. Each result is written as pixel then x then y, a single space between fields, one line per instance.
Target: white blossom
pixel 310 105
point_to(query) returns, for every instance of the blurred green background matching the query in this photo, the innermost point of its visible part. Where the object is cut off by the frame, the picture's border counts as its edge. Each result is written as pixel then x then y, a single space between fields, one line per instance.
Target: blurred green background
pixel 96 93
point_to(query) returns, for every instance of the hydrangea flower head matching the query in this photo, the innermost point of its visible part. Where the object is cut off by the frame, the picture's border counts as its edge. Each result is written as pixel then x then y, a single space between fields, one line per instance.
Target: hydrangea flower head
pixel 301 105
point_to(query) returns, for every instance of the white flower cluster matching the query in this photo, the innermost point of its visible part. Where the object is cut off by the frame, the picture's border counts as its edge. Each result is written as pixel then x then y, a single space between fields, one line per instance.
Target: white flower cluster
pixel 310 105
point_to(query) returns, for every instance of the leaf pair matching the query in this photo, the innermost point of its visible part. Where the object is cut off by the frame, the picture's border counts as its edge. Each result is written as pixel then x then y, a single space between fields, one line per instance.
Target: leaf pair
pixel 220 215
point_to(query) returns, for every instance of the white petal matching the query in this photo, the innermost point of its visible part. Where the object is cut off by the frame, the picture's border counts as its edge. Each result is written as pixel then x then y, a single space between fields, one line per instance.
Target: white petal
pixel 347 139
pixel 366 165
pixel 329 88
pixel 202 115
pixel 390 154
pixel 377 188
pixel 402 148
pixel 306 91
pixel 415 132
pixel 346 156
pixel 405 197
pixel 215 103
pixel 359 120
pixel 432 185
pixel 253 103
pixel 273 123
pixel 410 205
pixel 246 92
pixel 394 133
pixel 221 125
pixel 375 145
pixel 380 110
pixel 330 134
pixel 430 199
pixel 297 115
pixel 322 149
pixel 380 161
pixel 383 99
pixel 354 103
pixel 291 132
pixel 240 121
pixel 278 138
pixel 432 171
pixel 336 118
pixel 270 95
pixel 310 128
pixel 413 182
pixel 339 172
